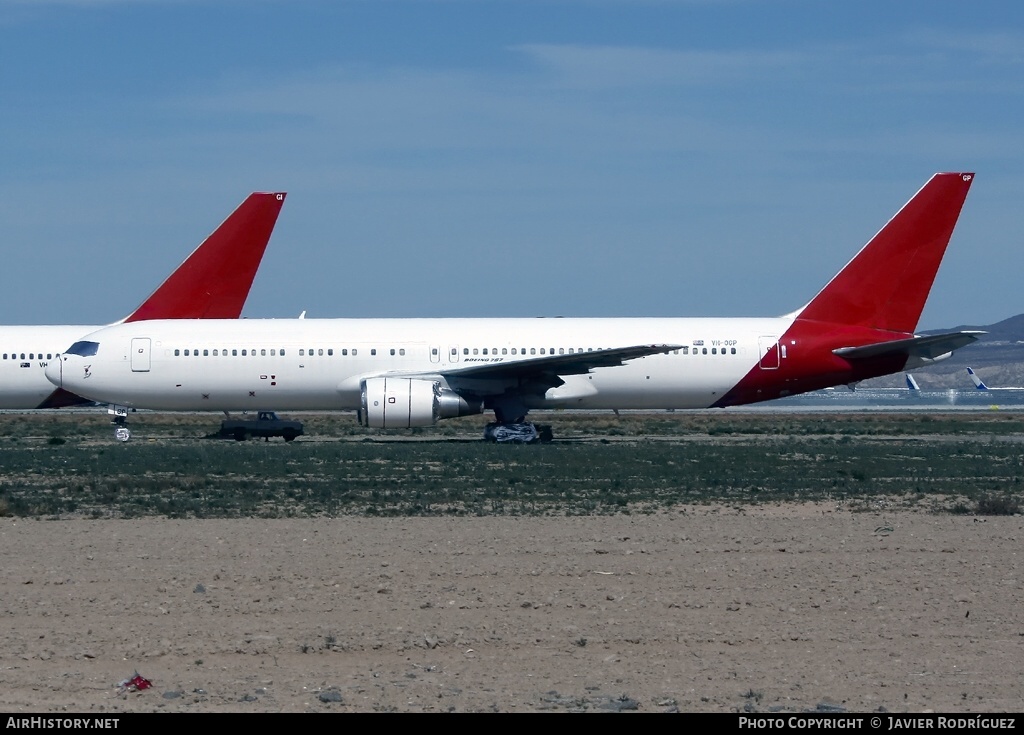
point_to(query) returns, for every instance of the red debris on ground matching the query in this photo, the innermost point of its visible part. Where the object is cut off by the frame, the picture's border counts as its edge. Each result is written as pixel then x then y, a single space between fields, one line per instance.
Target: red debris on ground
pixel 135 683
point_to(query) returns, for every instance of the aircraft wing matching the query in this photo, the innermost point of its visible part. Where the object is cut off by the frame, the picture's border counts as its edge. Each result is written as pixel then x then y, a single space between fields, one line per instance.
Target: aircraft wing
pixel 930 347
pixel 551 366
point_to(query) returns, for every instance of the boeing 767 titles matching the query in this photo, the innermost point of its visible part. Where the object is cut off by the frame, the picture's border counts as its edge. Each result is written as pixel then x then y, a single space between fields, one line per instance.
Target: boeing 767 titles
pixel 414 372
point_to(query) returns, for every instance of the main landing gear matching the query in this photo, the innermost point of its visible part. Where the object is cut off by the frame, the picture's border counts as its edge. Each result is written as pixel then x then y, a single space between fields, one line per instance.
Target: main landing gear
pixel 510 425
pixel 119 418
pixel 524 432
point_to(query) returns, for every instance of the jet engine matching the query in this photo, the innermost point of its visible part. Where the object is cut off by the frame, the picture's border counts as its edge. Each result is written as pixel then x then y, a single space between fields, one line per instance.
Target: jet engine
pixel 402 403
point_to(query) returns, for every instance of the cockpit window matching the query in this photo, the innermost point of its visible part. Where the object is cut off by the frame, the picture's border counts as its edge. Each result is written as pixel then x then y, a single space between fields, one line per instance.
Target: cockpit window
pixel 83 349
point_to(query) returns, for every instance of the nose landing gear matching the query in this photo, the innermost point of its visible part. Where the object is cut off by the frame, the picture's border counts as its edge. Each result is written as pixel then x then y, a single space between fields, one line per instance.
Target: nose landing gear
pixel 119 418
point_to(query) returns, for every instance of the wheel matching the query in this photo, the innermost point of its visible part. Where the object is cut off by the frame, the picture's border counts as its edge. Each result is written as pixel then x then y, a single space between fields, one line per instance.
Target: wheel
pixel 122 433
pixel 239 435
pixel 289 434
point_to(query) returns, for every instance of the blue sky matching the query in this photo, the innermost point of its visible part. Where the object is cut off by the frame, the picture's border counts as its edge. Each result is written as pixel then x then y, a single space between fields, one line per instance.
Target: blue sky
pixel 486 158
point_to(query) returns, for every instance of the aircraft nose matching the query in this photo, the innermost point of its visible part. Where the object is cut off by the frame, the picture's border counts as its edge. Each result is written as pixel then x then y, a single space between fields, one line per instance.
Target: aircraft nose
pixel 54 371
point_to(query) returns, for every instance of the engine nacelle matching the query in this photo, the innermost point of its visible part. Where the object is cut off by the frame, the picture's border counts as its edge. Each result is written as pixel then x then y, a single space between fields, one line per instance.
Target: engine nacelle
pixel 402 403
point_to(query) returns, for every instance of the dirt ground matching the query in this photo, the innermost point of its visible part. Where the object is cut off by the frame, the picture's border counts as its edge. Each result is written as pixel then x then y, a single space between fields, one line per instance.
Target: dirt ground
pixel 775 609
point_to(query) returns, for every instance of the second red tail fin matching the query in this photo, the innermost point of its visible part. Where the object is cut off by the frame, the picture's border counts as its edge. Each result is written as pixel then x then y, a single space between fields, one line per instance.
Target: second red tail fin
pixel 886 284
pixel 214 281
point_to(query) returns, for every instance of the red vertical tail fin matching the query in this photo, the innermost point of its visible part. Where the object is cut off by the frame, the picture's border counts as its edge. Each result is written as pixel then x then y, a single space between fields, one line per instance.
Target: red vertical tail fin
pixel 214 281
pixel 886 284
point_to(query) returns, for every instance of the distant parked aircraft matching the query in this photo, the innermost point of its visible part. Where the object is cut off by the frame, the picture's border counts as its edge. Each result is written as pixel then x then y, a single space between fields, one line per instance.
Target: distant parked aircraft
pixel 981 385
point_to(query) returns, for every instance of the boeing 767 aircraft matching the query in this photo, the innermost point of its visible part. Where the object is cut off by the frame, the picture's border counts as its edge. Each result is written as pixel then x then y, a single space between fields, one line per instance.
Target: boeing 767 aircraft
pixel 414 372
pixel 212 283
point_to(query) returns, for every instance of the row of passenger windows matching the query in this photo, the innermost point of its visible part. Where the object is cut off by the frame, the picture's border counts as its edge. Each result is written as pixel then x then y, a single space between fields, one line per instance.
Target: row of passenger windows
pixel 570 350
pixel 274 352
pixel 714 351
pixel 31 356
pixel 320 351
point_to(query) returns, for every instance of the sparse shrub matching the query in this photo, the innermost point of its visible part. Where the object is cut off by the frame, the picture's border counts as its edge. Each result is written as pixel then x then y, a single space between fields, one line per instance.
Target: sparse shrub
pixel 998 505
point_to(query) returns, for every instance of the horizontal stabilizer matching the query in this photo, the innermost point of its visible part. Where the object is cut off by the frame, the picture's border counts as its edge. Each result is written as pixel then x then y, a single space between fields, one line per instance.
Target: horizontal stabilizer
pixel 928 348
pixel 912 383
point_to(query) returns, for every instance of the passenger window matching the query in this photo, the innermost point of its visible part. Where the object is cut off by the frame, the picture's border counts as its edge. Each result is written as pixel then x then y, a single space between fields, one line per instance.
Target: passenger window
pixel 273 353
pixel 302 353
pixel 561 350
pixel 206 353
pixel 485 350
pixel 392 351
pixel 373 351
pixel 345 351
pixel 354 352
pixel 704 350
pixel 401 351
pixel 244 353
pixel 176 353
pixel 733 350
pixel 465 350
pixel 282 353
pixel 504 350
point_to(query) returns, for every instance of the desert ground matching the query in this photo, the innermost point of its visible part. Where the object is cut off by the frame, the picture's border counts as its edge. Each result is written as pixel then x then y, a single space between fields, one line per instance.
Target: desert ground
pixel 709 608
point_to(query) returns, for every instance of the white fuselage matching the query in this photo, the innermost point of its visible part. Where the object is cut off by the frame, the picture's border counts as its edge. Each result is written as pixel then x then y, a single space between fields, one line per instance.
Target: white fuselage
pixel 296 364
pixel 25 352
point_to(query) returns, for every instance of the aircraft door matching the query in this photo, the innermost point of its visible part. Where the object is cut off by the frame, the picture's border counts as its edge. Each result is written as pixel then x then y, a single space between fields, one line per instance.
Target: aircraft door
pixel 435 353
pixel 453 353
pixel 768 349
pixel 140 354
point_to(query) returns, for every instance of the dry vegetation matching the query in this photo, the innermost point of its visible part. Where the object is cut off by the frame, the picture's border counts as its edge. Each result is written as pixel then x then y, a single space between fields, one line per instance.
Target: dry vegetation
pixel 68 465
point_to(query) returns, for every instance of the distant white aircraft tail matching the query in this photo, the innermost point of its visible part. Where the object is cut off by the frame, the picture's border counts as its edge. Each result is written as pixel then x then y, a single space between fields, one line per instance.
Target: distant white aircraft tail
pixel 976 380
pixel 911 383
